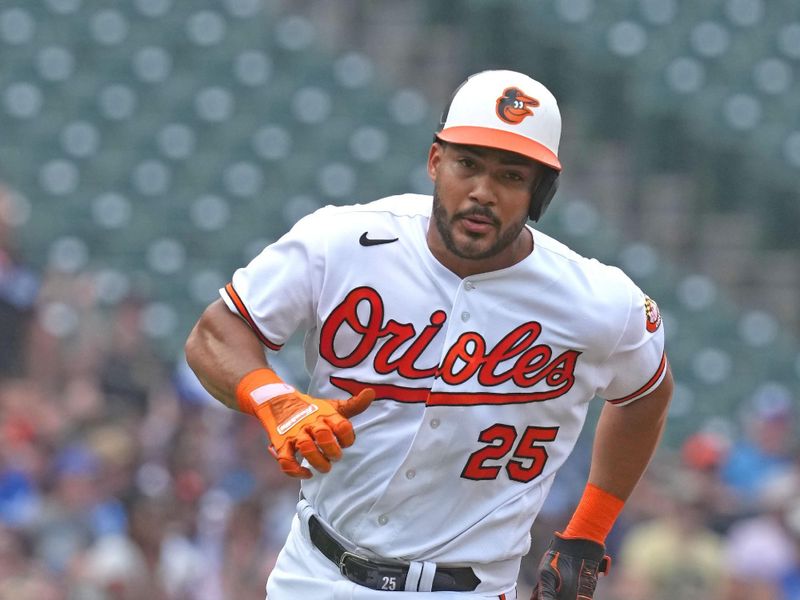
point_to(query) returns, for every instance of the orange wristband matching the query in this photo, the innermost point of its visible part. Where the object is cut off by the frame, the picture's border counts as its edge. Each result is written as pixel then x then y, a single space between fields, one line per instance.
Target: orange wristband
pixel 595 515
pixel 259 387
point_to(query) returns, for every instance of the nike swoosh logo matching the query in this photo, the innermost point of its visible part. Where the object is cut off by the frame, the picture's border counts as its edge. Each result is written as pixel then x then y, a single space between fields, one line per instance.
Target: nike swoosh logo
pixel 365 241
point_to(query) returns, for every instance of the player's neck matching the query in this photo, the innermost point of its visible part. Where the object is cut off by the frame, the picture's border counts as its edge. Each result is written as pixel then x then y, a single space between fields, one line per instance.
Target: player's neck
pixel 464 267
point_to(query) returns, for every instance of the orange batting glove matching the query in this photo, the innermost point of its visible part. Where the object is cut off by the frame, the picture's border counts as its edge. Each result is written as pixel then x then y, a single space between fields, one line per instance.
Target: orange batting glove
pixel 316 428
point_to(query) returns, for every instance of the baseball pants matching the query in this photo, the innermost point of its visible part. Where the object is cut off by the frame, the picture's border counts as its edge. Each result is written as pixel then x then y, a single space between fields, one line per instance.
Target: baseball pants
pixel 303 573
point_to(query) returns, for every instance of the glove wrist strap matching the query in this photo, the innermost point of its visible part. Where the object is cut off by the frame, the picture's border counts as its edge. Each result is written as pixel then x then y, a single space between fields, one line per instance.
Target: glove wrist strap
pixel 586 549
pixel 582 547
pixel 258 387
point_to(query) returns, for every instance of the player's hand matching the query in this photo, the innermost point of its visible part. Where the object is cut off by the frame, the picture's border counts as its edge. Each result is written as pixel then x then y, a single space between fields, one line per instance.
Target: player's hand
pixel 317 429
pixel 569 569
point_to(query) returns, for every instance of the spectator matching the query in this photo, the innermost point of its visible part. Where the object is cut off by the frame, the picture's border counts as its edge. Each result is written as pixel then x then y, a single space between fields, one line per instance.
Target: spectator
pixel 769 444
pixel 245 562
pixel 675 555
pixel 64 526
pixel 19 287
pixel 129 368
pixel 702 455
pixel 113 569
pixel 790 583
pixel 761 553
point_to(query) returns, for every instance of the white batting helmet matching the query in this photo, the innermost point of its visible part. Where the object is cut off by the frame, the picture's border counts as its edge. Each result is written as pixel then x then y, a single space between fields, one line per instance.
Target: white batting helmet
pixel 510 111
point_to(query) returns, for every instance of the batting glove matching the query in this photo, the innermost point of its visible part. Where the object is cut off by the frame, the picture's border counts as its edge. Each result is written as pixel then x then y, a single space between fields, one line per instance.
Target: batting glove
pixel 315 428
pixel 569 569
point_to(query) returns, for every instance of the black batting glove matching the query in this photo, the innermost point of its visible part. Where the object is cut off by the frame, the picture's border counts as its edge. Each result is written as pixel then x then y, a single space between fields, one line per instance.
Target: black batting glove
pixel 569 569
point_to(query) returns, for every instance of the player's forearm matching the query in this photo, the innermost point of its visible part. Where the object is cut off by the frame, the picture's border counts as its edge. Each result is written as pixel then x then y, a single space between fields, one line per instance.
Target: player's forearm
pixel 626 439
pixel 221 349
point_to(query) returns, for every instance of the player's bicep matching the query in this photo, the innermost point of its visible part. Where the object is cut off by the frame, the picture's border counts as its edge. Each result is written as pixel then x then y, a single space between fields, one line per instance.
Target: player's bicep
pixel 220 350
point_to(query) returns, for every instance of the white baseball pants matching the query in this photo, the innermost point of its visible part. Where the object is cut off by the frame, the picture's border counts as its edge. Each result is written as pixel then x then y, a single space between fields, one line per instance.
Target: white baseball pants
pixel 303 573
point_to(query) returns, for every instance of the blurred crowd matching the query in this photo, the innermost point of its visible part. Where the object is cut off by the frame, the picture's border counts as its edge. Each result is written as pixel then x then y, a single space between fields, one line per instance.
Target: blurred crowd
pixel 120 479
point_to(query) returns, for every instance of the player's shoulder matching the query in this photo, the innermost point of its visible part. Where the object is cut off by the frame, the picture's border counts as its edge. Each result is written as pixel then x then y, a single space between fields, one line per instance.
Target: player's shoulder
pixel 603 289
pixel 602 298
pixel 564 259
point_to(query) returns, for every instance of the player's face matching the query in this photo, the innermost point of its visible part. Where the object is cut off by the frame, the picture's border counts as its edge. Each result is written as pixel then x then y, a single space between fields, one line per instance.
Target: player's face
pixel 480 206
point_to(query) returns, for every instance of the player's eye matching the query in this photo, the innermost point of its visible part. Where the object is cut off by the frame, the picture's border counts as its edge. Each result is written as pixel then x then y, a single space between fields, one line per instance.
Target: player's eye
pixel 465 162
pixel 514 176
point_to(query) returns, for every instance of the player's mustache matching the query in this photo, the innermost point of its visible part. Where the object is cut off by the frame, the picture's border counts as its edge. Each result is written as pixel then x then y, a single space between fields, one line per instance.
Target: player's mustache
pixel 478 212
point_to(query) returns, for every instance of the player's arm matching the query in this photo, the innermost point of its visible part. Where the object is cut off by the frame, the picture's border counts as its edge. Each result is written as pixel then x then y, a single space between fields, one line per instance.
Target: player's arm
pixel 230 363
pixel 625 440
pixel 221 350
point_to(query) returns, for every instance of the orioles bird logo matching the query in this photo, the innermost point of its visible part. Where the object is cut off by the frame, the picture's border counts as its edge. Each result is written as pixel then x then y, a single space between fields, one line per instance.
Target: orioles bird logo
pixel 652 314
pixel 514 105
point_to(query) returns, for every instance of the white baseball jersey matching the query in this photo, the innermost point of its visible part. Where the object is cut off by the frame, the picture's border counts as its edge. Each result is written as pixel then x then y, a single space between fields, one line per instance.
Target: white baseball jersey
pixel 482 384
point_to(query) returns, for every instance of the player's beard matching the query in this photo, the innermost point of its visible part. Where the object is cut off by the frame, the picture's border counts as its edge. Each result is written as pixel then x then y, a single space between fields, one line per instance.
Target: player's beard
pixel 444 225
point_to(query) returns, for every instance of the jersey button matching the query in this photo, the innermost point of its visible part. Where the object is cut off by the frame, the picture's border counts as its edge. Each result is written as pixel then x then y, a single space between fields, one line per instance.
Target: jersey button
pixel 383 520
pixel 434 423
pixel 465 316
pixel 469 286
pixel 410 474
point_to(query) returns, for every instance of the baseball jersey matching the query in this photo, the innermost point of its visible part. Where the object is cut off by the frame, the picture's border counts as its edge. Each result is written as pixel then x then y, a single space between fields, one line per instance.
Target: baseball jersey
pixel 482 384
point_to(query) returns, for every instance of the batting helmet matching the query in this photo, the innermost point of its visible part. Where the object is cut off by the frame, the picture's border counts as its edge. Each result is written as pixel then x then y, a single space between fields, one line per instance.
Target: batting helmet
pixel 510 111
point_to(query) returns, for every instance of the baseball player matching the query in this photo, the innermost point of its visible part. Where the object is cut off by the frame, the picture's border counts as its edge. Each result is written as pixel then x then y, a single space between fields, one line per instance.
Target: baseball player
pixel 453 352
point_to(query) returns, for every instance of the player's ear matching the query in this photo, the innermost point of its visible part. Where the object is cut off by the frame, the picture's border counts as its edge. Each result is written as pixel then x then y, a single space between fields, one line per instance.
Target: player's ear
pixel 434 159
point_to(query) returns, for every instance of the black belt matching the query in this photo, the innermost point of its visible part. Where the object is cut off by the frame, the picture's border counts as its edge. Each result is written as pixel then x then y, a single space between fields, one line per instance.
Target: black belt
pixel 384 575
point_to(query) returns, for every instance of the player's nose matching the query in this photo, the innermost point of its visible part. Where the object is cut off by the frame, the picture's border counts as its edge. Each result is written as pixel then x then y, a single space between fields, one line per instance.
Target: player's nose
pixel 482 190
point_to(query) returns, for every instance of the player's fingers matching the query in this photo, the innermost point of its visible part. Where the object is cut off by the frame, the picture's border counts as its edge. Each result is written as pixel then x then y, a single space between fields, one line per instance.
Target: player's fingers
pixel 549 584
pixel 288 463
pixel 357 404
pixel 536 595
pixel 293 469
pixel 343 429
pixel 308 448
pixel 542 593
pixel 326 440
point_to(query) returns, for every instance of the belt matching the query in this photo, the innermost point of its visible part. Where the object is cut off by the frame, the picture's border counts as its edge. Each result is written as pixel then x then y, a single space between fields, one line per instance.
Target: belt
pixel 385 575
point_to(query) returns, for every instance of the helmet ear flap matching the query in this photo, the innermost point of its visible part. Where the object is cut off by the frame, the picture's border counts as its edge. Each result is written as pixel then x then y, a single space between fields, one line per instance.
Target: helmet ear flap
pixel 543 194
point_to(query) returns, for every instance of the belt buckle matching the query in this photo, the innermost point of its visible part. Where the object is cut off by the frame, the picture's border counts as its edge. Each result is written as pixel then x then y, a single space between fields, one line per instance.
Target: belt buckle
pixel 342 559
pixel 373 574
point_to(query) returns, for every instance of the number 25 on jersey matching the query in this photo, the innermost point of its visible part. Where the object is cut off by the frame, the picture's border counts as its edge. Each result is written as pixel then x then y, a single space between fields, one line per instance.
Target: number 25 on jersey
pixel 526 461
